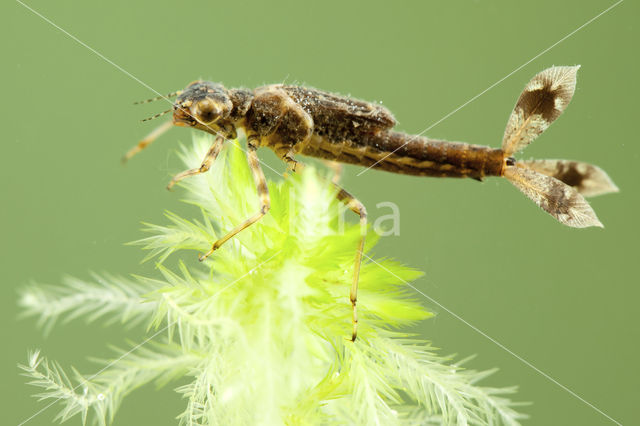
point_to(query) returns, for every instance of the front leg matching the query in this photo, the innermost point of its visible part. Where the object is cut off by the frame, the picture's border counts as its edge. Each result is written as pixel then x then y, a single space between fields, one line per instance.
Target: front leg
pixel 206 163
pixel 263 194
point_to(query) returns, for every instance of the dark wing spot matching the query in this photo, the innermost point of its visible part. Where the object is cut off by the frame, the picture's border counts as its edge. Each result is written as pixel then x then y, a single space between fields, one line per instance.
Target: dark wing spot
pixel 540 101
pixel 569 174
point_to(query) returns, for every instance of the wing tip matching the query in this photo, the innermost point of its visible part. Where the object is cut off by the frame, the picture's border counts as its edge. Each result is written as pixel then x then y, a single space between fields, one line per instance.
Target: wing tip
pixel 568 69
pixel 610 188
pixel 595 222
pixel 583 217
pixel 600 183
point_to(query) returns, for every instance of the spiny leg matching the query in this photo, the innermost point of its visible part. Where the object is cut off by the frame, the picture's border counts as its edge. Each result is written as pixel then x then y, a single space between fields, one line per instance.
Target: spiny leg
pixel 357 207
pixel 147 140
pixel 263 194
pixel 206 163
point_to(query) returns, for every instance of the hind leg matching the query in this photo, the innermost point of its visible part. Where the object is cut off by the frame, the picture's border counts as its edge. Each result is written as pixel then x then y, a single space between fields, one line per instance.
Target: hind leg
pixel 287 127
pixel 357 207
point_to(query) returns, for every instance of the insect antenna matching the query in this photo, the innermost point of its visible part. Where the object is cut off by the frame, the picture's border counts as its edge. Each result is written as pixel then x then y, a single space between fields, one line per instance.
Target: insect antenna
pixel 160 114
pixel 157 98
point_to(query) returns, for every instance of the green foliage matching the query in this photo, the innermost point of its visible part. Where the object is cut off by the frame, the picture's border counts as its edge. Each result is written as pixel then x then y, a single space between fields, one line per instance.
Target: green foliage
pixel 262 327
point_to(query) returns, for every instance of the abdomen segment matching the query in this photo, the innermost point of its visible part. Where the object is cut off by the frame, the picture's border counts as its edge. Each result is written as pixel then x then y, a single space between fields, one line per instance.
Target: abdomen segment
pixel 412 155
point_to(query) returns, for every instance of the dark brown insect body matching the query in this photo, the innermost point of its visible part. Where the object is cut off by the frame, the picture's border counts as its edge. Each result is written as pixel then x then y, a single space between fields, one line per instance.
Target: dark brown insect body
pixel 410 155
pixel 299 120
pixel 294 120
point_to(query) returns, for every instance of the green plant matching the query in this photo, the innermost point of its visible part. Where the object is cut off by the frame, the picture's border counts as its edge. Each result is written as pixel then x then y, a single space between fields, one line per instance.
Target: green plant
pixel 262 327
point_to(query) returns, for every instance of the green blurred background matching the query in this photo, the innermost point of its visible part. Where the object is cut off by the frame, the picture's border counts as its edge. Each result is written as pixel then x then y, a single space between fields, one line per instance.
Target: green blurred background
pixel 565 300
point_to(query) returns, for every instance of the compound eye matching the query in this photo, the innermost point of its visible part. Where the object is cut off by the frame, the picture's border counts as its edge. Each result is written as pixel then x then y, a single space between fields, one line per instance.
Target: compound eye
pixel 206 111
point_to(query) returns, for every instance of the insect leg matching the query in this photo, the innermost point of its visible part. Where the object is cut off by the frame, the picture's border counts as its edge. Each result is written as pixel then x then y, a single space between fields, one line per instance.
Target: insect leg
pixel 206 163
pixel 147 140
pixel 292 164
pixel 263 194
pixel 358 208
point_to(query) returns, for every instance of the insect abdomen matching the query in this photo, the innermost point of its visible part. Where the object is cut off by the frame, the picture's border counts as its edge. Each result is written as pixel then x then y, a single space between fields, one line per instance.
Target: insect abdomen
pixel 413 155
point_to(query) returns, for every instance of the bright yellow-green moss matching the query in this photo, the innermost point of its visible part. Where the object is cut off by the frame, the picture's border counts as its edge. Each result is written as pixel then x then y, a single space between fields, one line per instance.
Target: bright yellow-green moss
pixel 263 326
